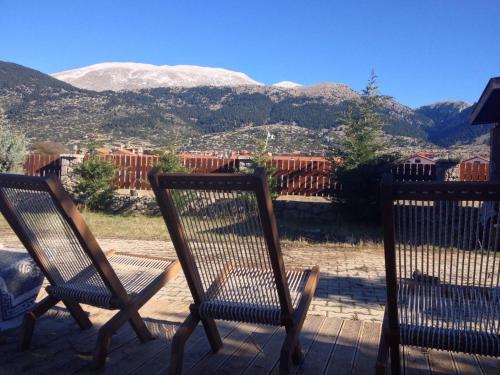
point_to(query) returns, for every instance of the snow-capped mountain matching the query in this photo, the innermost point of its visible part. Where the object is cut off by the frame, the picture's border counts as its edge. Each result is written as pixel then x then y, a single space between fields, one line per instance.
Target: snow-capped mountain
pixel 286 84
pixel 134 76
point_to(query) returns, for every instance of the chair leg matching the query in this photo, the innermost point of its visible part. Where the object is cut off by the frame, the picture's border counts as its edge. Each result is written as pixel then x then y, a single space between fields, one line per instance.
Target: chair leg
pixel 212 334
pixel 140 328
pixel 128 314
pixel 30 318
pixel 395 360
pixel 179 342
pixel 298 355
pixel 78 314
pixel 102 347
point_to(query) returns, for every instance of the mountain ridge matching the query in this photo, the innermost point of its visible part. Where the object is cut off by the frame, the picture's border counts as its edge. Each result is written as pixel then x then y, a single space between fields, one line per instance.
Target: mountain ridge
pixel 48 109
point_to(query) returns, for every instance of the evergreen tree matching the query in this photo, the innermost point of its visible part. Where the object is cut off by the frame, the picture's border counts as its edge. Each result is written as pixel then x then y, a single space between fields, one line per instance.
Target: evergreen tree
pixel 170 161
pixel 363 160
pixel 363 128
pixel 12 150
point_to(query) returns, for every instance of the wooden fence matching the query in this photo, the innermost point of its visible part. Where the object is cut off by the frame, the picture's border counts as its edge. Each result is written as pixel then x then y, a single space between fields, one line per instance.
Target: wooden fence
pixel 42 165
pixel 474 171
pixel 414 172
pixel 297 175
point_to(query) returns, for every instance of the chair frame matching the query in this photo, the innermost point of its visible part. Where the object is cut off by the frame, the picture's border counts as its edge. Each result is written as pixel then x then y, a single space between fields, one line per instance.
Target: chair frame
pixel 390 339
pixel 127 305
pixel 290 319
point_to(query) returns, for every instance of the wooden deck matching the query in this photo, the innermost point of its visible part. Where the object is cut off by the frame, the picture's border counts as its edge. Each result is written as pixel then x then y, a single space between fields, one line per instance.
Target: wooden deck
pixel 331 345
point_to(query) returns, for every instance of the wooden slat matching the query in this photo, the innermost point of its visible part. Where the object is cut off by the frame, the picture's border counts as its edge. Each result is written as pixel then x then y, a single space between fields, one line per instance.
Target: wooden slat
pixel 195 350
pixel 367 349
pixel 416 360
pixel 489 365
pixel 466 364
pixel 441 362
pixel 316 358
pixel 249 349
pixel 268 358
pixel 307 336
pixel 344 353
pixel 210 362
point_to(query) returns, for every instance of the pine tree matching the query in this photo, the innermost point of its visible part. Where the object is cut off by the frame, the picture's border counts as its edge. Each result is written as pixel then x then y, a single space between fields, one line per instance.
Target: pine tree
pixel 363 128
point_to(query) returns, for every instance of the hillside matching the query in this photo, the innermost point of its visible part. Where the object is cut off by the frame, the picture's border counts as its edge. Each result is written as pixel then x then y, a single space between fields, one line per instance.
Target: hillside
pixel 201 117
pixel 451 123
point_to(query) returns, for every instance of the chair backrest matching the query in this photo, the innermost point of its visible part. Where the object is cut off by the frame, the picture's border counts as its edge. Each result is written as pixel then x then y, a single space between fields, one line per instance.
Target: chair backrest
pixel 219 222
pixel 51 228
pixel 442 243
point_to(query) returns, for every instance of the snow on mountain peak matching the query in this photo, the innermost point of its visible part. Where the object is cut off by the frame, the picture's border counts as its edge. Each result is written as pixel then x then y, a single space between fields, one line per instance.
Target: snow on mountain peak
pixel 117 76
pixel 287 84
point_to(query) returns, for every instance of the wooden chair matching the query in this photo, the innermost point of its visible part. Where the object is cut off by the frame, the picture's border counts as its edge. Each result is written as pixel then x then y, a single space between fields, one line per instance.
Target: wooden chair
pixel 225 235
pixel 441 244
pixel 49 225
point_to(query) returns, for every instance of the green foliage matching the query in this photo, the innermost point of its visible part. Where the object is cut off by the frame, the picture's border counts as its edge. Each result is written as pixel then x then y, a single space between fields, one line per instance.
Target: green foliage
pixel 170 161
pixel 363 163
pixel 363 128
pixel 359 195
pixel 12 150
pixel 261 159
pixel 94 183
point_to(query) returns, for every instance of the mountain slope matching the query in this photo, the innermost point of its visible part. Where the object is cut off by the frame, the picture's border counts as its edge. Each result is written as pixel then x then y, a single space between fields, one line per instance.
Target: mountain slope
pixel 47 109
pixel 451 123
pixel 134 76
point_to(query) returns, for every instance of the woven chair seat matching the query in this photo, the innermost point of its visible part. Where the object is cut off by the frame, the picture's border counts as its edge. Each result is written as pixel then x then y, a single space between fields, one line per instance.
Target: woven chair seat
pixel 134 272
pixel 430 316
pixel 239 296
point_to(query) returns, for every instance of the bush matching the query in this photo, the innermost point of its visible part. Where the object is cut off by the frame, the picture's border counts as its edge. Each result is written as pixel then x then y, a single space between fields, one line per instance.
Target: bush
pixel 261 160
pixel 12 150
pixel 94 183
pixel 359 194
pixel 170 161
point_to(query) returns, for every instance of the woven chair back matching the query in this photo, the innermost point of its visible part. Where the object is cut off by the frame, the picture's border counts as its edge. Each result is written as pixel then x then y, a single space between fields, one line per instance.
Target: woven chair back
pixel 447 264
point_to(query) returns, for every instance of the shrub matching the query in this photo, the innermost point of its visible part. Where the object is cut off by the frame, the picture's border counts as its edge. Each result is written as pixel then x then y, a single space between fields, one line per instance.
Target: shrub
pixel 261 159
pixel 12 150
pixel 94 183
pixel 170 161
pixel 359 196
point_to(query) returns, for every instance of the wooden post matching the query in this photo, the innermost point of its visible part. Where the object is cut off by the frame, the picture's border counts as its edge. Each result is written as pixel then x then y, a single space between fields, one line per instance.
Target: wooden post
pixel 495 154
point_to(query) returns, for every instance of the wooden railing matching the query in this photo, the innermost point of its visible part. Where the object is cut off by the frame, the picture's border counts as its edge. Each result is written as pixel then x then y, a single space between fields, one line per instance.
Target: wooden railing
pixel 414 172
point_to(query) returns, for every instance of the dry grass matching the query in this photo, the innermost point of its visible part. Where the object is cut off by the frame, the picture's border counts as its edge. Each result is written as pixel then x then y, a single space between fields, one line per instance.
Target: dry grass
pixel 293 233
pixel 137 227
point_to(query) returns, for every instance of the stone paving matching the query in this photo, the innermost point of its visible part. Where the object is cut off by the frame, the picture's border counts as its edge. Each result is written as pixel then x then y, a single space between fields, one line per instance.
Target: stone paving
pixel 352 284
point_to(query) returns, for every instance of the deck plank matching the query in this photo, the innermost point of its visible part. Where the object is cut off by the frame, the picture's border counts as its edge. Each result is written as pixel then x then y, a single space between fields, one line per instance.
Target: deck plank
pixel 489 365
pixel 441 362
pixel 367 349
pixel 307 336
pixel 74 352
pixel 162 327
pixel 330 345
pixel 249 349
pixel 211 361
pixel 466 364
pixel 416 360
pixel 316 358
pixel 344 353
pixel 51 332
pixel 196 346
pixel 268 358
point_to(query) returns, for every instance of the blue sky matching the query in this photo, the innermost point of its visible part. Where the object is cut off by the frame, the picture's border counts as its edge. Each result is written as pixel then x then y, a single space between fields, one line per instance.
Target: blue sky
pixel 423 51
